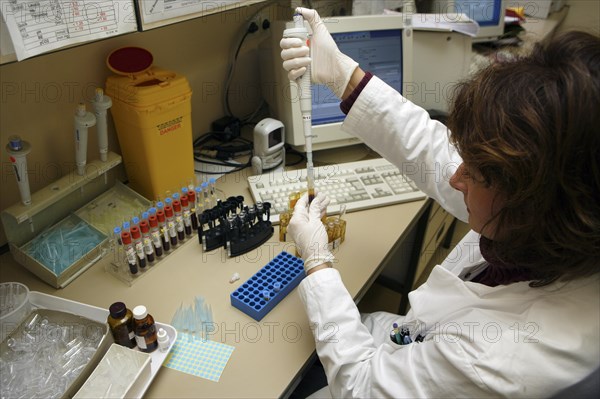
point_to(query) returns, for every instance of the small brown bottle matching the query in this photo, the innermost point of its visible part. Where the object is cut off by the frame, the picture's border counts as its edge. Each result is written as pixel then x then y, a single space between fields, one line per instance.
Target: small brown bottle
pixel 120 322
pixel 145 329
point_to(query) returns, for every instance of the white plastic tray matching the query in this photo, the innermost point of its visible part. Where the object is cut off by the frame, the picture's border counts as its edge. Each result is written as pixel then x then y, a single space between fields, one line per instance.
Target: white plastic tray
pixel 46 301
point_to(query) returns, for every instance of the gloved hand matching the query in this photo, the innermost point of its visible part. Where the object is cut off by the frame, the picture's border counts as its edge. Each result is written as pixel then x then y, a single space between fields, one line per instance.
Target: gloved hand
pixel 329 65
pixel 307 230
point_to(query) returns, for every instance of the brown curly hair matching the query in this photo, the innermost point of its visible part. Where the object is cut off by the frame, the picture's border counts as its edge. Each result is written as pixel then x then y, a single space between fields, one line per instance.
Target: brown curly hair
pixel 531 127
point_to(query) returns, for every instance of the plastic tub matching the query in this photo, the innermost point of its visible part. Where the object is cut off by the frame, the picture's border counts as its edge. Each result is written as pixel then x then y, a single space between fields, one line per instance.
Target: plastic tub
pixel 14 307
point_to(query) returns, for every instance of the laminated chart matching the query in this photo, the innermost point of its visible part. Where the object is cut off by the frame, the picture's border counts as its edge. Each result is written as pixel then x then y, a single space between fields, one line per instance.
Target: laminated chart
pixel 156 13
pixel 37 27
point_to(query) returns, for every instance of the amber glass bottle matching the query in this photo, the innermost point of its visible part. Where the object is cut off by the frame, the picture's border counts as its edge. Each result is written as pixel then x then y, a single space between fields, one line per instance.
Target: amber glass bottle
pixel 120 322
pixel 145 329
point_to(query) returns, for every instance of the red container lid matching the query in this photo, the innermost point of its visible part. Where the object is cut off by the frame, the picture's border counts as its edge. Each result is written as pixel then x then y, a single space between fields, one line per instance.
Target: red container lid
pixel 144 226
pixel 129 60
pixel 152 219
pixel 191 196
pixel 177 206
pixel 160 214
pixel 135 232
pixel 125 237
pixel 184 201
pixel 168 211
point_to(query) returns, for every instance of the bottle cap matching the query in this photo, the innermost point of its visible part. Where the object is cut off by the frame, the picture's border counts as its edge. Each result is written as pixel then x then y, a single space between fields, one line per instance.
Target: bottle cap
pixel 168 211
pixel 163 339
pixel 184 201
pixel 117 310
pixel 153 220
pixel 191 196
pixel 126 237
pixel 135 232
pixel 177 206
pixel 160 215
pixel 144 226
pixel 140 312
pixel 135 220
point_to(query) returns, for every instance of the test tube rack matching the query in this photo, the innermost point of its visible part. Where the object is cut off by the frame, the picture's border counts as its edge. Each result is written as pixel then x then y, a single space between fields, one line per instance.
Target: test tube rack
pixel 235 227
pixel 267 287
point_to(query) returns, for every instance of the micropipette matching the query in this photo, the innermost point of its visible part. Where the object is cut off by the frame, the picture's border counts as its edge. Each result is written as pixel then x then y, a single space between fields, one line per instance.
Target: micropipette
pixel 102 103
pixel 17 150
pixel 304 89
pixel 83 120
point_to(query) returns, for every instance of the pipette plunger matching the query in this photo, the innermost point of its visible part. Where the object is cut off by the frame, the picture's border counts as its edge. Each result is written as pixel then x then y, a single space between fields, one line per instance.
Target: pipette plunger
pixel 304 88
pixel 17 150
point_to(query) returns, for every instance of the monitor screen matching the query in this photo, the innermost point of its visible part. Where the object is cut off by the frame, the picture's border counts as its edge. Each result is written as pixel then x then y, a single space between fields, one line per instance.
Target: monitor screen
pixel 484 12
pixel 379 43
pixel 377 51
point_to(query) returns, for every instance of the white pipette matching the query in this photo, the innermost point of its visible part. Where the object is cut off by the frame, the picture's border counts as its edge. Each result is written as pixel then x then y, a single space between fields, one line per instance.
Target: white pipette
pixel 17 150
pixel 83 120
pixel 102 103
pixel 304 89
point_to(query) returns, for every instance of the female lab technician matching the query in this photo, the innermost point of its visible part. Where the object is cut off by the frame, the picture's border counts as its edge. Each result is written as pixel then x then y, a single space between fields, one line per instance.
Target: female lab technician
pixel 514 309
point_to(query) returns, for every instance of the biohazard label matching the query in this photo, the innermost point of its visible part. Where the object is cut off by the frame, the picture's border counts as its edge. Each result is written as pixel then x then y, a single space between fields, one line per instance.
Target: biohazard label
pixel 167 127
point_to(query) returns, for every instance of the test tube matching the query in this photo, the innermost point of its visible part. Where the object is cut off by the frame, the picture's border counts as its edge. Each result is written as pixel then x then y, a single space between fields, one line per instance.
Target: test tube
pixel 126 226
pixel 199 204
pixel 155 235
pixel 129 252
pixel 193 210
pixel 117 246
pixel 147 240
pixel 212 190
pixel 205 196
pixel 179 219
pixel 164 231
pixel 17 150
pixel 172 229
pixel 136 237
pixel 187 215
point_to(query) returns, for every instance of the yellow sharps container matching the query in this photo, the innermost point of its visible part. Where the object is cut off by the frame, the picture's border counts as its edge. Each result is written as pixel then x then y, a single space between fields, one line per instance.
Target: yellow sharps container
pixel 151 108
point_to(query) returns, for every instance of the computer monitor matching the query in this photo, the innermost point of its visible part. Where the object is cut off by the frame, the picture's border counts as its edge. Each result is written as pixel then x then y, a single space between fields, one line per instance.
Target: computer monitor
pixel 379 43
pixel 489 14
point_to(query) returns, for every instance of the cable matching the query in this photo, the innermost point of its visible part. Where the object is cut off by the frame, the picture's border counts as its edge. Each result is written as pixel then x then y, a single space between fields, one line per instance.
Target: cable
pixel 253 27
pixel 223 152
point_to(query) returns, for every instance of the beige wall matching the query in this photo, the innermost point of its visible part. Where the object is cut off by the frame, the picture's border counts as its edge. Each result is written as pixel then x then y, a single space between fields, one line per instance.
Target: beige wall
pixel 583 14
pixel 39 95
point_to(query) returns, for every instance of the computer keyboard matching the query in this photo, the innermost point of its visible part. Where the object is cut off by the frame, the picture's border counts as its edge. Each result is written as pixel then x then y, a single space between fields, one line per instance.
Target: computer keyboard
pixel 360 185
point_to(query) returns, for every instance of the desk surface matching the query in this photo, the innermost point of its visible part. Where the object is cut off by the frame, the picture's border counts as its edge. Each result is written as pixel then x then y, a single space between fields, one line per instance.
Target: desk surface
pixel 268 354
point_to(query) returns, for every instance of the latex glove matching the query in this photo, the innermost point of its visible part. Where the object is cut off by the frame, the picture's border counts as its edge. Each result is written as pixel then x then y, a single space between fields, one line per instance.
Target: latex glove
pixel 308 232
pixel 329 65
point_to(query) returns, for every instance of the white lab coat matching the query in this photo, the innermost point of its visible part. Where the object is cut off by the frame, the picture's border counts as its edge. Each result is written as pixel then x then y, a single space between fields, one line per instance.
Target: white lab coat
pixel 506 341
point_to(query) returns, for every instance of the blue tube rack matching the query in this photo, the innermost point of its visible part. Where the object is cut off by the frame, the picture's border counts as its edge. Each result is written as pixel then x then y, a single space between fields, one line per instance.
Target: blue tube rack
pixel 259 295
